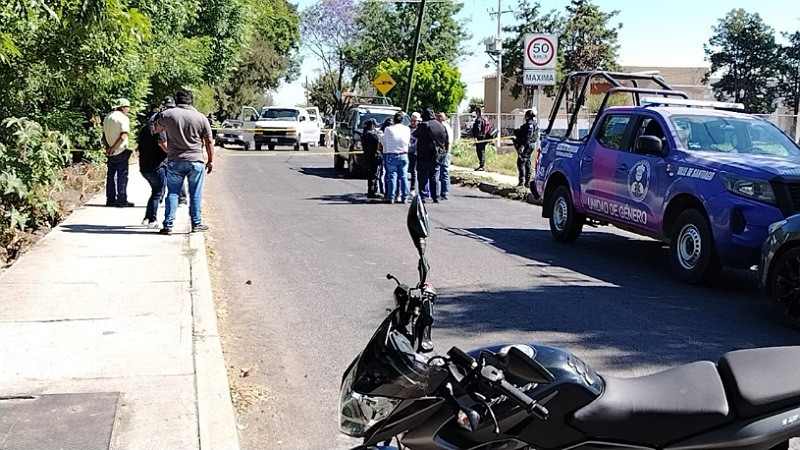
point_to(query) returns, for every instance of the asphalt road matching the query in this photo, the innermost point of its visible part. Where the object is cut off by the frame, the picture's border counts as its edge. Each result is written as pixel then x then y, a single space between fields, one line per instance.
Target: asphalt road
pixel 316 254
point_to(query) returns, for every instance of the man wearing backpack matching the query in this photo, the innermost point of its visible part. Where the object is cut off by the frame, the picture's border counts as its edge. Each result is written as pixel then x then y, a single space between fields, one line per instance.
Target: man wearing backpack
pixel 480 128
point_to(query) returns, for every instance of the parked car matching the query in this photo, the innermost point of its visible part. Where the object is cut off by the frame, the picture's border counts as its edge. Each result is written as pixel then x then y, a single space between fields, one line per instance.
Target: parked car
pixel 779 271
pixel 347 136
pixel 231 133
pixel 281 125
pixel 702 176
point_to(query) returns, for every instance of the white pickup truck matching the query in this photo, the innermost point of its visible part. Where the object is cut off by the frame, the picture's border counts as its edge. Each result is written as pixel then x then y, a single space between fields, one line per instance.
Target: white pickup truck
pixel 281 125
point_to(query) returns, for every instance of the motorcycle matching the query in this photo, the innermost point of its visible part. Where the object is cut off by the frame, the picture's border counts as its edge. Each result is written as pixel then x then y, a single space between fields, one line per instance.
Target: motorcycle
pixel 533 396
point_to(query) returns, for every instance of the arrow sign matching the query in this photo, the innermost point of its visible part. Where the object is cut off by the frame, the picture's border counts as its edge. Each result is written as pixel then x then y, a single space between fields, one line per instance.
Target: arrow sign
pixel 383 83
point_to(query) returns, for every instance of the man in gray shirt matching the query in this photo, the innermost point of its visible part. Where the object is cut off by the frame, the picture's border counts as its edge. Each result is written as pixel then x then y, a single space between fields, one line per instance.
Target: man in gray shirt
pixel 188 131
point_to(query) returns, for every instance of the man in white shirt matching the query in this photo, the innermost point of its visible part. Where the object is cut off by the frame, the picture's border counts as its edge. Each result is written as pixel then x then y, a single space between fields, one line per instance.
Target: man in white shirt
pixel 116 127
pixel 394 142
pixel 444 167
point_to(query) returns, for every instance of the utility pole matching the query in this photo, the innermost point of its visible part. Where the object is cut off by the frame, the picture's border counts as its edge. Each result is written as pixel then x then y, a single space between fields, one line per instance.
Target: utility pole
pixel 414 56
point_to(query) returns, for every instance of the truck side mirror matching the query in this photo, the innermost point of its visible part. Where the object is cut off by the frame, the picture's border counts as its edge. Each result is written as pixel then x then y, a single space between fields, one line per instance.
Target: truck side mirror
pixel 302 118
pixel 649 145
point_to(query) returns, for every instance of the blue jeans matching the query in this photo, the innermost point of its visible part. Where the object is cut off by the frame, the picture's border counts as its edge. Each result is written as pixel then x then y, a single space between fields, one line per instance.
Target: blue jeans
pixel 444 175
pixel 158 181
pixel 429 174
pixel 396 170
pixel 194 171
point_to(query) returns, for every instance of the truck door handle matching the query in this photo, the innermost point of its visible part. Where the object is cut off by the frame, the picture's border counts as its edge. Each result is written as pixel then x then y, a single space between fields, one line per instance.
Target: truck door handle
pixel 622 167
pixel 587 158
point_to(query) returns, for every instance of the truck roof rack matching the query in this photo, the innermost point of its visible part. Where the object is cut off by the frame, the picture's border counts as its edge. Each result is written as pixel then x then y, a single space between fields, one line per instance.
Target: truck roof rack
pixel 652 101
pixel 615 79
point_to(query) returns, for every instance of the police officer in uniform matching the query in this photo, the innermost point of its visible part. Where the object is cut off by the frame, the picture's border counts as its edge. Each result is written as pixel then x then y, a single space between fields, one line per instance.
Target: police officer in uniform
pixel 374 159
pixel 526 140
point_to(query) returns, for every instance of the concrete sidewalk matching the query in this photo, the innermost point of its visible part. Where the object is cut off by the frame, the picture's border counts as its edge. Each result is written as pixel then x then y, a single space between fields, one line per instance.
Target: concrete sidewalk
pixel 108 337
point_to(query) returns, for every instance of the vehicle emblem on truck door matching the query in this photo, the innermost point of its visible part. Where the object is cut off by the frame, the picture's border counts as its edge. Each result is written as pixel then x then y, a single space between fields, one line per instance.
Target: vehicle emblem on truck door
pixel 639 180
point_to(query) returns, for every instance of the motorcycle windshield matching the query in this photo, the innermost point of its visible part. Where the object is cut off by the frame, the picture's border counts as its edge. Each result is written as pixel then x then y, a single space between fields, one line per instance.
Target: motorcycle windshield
pixel 389 367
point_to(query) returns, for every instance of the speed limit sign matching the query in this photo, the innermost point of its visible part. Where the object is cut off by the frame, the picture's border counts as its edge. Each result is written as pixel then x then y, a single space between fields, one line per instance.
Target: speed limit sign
pixel 540 51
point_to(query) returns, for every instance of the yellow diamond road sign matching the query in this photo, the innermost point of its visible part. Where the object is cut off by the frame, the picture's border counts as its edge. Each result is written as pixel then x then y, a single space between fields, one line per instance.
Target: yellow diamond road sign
pixel 383 83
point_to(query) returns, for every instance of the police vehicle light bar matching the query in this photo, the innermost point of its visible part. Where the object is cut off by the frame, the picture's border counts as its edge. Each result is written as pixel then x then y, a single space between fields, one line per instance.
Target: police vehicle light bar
pixel 652 101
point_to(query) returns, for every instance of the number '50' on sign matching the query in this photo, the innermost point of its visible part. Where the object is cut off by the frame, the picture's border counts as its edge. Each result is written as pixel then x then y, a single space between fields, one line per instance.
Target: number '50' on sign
pixel 540 51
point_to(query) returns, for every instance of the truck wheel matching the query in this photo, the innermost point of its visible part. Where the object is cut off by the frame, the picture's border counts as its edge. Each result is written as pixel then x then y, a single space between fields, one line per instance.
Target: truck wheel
pixel 338 161
pixel 784 287
pixel 692 254
pixel 270 147
pixel 258 147
pixel 305 147
pixel 246 146
pixel 565 223
pixel 297 147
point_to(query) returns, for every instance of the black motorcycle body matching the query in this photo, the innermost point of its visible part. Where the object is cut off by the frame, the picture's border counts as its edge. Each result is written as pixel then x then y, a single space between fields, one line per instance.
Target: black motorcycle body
pixel 531 396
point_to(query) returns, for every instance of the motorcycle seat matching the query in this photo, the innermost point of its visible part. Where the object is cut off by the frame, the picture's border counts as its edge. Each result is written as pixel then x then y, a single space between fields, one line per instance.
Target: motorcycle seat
pixel 761 380
pixel 657 409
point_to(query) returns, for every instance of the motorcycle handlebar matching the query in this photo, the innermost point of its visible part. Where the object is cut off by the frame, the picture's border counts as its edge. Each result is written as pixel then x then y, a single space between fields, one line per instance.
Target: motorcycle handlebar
pixel 530 405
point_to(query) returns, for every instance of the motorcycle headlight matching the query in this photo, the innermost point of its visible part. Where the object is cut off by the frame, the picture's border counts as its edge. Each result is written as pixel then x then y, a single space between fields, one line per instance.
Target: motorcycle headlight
pixel 753 188
pixel 358 412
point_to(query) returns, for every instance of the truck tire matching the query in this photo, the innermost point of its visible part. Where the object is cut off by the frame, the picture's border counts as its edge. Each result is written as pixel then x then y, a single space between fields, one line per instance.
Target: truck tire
pixel 783 284
pixel 270 147
pixel 297 147
pixel 258 147
pixel 565 223
pixel 338 161
pixel 692 254
pixel 305 147
pixel 246 146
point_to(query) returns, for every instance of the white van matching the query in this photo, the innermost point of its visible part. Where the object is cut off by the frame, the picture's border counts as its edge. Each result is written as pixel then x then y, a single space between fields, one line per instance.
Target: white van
pixel 281 125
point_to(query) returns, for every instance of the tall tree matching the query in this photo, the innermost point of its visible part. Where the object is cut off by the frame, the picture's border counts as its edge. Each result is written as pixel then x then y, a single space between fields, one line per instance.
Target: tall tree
pixel 789 85
pixel 744 50
pixel 436 84
pixel 388 30
pixel 320 92
pixel 328 28
pixel 529 20
pixel 588 41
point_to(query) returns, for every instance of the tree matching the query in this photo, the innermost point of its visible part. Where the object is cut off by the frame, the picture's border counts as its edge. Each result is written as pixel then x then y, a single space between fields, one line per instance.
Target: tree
pixel 388 30
pixel 789 83
pixel 744 50
pixel 529 20
pixel 437 84
pixel 587 41
pixel 474 103
pixel 329 28
pixel 320 92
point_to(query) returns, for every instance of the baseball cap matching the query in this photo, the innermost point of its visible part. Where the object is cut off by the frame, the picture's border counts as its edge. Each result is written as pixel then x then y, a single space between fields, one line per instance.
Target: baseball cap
pixel 169 102
pixel 415 116
pixel 120 102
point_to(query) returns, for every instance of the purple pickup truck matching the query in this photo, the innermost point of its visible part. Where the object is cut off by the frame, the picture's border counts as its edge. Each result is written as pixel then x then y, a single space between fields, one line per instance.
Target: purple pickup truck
pixel 703 176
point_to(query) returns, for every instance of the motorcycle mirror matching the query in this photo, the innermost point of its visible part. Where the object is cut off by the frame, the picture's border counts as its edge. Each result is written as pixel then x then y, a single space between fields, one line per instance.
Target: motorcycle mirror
pixel 417 222
pixel 515 362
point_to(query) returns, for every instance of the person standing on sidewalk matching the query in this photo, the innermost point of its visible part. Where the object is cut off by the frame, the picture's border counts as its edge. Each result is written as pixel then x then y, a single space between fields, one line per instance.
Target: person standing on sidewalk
pixel 169 103
pixel 188 131
pixel 431 150
pixel 444 167
pixel 152 145
pixel 479 129
pixel 116 127
pixel 370 142
pixel 412 153
pixel 394 145
pixel 526 139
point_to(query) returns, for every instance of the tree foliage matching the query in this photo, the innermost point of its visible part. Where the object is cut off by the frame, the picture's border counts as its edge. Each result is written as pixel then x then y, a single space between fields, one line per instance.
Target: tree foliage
pixel 789 83
pixel 387 31
pixel 436 84
pixel 744 50
pixel 474 103
pixel 320 92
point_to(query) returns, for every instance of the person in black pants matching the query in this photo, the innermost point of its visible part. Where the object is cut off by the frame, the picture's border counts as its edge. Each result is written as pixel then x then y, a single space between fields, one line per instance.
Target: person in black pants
pixel 432 147
pixel 152 143
pixel 526 138
pixel 369 144
pixel 479 128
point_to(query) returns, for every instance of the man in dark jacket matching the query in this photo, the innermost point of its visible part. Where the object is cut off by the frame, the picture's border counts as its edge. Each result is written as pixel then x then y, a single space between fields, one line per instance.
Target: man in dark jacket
pixel 431 150
pixel 479 128
pixel 526 138
pixel 369 144
pixel 152 145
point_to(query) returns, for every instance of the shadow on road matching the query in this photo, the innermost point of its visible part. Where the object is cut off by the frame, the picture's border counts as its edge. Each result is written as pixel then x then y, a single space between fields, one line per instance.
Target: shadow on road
pixel 322 172
pixel 355 198
pixel 617 298
pixel 108 229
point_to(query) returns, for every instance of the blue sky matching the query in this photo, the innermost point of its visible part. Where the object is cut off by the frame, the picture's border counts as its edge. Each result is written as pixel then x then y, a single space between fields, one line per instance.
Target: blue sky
pixel 654 33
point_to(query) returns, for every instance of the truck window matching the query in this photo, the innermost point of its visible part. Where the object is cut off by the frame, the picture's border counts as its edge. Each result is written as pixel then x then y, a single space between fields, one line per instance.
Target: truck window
pixel 732 135
pixel 612 131
pixel 649 126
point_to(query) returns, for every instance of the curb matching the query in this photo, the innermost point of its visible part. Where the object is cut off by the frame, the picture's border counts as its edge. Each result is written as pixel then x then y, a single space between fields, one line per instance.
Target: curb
pixel 490 186
pixel 215 417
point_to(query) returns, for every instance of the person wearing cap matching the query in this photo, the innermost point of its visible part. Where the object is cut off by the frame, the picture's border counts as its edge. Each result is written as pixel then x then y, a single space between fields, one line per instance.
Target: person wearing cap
pixel 152 147
pixel 526 138
pixel 444 167
pixel 167 103
pixel 373 157
pixel 116 127
pixel 188 132
pixel 479 129
pixel 412 153
pixel 432 147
